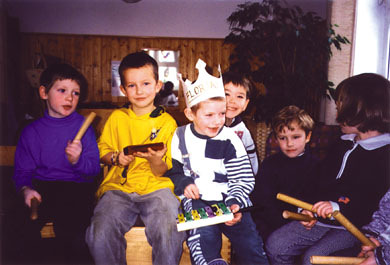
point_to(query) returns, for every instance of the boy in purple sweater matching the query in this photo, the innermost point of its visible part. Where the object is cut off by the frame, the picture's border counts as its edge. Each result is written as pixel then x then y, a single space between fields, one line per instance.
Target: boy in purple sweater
pixel 54 169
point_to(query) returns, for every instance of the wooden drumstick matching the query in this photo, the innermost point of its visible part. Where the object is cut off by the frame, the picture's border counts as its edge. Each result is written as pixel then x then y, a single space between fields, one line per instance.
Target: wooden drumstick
pixel 297 216
pixel 335 260
pixel 34 209
pixel 85 126
pixel 295 202
pixel 352 229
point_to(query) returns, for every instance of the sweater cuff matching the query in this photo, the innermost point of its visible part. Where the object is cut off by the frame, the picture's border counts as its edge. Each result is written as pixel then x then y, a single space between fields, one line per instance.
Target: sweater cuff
pixel 230 201
pixel 179 189
pixel 379 256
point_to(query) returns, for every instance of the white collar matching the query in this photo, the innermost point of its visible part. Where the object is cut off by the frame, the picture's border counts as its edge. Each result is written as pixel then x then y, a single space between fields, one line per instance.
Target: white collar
pixel 369 143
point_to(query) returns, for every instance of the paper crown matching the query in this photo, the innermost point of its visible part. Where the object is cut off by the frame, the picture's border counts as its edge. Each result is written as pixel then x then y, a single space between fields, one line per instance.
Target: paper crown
pixel 205 87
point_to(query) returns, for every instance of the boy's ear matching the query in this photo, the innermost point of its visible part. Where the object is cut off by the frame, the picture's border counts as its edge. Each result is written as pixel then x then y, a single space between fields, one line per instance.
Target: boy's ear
pixel 123 89
pixel 308 136
pixel 189 114
pixel 246 104
pixel 159 86
pixel 42 92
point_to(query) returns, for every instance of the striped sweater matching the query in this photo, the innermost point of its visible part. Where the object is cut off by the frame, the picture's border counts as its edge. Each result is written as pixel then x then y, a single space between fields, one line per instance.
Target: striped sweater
pixel 220 167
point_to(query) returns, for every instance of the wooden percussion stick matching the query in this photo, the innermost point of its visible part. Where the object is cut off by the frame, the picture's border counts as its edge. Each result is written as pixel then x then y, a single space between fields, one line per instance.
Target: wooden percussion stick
pixel 335 260
pixel 297 216
pixel 85 126
pixel 296 202
pixel 352 229
pixel 34 208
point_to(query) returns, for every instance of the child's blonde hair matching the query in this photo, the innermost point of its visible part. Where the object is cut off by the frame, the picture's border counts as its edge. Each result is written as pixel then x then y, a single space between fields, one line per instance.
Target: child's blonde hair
pixel 289 114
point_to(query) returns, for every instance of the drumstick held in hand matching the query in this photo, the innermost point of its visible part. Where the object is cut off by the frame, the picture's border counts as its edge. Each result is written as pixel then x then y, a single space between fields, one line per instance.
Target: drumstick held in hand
pixel 335 260
pixel 85 126
pixel 34 208
pixel 352 229
pixel 297 216
pixel 296 202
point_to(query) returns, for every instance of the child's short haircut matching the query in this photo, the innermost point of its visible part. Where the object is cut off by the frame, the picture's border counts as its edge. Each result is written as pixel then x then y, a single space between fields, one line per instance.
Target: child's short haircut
pixel 137 60
pixel 289 114
pixel 62 71
pixel 363 101
pixel 237 80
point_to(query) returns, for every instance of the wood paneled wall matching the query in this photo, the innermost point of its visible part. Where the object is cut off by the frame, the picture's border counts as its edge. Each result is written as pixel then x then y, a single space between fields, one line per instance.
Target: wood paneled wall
pixel 92 55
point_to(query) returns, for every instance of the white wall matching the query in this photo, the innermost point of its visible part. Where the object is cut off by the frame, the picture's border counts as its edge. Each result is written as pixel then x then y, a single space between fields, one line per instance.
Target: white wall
pixel 161 18
pixel 371 50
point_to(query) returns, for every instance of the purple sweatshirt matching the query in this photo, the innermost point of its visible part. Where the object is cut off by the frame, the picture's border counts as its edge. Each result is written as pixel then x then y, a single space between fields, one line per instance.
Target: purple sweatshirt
pixel 40 152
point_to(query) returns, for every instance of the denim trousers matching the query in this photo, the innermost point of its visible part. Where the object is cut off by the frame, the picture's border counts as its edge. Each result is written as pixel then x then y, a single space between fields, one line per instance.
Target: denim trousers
pixel 246 242
pixel 293 242
pixel 117 211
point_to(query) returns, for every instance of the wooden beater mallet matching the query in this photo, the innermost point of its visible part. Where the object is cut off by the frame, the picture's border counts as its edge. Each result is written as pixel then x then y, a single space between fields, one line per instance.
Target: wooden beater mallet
pixel 79 135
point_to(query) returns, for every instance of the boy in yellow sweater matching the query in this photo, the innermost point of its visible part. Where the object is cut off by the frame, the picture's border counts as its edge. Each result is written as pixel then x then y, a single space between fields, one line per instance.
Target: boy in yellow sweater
pixel 135 185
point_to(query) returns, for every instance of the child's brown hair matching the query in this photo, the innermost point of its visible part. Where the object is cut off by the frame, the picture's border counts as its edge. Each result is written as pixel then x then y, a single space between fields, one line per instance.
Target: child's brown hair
pixel 289 114
pixel 364 101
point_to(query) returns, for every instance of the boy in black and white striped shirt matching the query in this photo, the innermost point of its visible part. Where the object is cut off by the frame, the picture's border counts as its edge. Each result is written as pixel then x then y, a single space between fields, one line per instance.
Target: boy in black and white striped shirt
pixel 210 165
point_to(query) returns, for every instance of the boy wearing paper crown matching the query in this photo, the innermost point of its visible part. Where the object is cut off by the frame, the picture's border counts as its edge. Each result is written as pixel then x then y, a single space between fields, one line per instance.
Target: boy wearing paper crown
pixel 210 165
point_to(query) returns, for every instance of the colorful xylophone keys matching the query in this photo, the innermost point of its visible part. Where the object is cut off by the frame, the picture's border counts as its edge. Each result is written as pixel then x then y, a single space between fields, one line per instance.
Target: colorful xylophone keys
pixel 209 215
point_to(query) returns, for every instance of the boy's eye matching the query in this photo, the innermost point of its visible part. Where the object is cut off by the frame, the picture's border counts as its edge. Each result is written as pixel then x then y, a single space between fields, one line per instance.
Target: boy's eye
pixel 76 93
pixel 227 94
pixel 240 97
pixel 146 83
pixel 61 90
pixel 296 136
pixel 282 138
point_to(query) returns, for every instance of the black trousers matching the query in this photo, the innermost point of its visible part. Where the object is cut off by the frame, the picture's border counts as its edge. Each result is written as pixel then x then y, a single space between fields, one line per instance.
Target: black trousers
pixel 69 206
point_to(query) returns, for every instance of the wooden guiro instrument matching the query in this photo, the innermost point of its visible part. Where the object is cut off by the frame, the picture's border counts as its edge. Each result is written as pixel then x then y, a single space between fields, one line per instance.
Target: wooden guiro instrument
pixel 85 126
pixel 297 216
pixel 335 260
pixel 352 229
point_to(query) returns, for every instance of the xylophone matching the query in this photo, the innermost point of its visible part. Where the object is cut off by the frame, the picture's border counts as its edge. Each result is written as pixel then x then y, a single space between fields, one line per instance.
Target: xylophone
pixel 209 215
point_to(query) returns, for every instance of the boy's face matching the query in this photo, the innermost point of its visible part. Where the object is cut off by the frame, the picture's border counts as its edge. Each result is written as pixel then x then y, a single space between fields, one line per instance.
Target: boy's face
pixel 209 118
pixel 62 97
pixel 140 88
pixel 236 100
pixel 292 142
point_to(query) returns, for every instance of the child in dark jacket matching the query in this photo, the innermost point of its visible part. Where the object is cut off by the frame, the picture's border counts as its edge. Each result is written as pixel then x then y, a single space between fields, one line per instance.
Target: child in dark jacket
pixel 287 172
pixel 352 179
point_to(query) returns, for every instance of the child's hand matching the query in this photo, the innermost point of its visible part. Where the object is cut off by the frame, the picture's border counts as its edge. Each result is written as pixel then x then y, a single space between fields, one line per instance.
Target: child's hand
pixel 370 258
pixel 368 253
pixel 323 208
pixel 310 224
pixel 154 157
pixel 125 160
pixel 191 192
pixel 28 194
pixel 237 216
pixel 73 151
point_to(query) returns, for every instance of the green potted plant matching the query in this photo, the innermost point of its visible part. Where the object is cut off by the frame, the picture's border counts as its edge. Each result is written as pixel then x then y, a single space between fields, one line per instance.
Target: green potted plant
pixel 285 52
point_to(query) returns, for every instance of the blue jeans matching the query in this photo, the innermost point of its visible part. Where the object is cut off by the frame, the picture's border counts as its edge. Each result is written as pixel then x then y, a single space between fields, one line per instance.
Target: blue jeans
pixel 246 243
pixel 292 240
pixel 117 211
